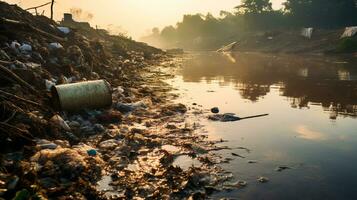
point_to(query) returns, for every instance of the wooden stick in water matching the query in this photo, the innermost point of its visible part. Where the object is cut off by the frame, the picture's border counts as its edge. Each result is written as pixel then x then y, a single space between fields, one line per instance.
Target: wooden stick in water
pixel 254 116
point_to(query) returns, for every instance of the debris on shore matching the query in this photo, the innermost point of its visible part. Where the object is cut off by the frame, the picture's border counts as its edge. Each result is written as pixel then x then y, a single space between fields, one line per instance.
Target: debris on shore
pixel 59 147
pixel 262 179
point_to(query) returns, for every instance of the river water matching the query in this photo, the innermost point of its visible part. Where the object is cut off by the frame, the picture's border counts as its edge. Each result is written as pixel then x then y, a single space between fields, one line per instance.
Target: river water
pixel 311 127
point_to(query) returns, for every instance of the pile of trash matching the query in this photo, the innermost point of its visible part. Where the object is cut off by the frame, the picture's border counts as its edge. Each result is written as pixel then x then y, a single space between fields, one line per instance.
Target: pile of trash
pixel 77 105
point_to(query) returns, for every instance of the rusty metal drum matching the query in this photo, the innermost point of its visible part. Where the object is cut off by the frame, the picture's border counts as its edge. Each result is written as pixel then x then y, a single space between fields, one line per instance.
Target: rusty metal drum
pixel 77 96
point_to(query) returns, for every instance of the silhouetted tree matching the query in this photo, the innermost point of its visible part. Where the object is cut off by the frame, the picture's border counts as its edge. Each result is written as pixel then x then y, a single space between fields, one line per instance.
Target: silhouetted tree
pixel 322 13
pixel 257 15
pixel 255 6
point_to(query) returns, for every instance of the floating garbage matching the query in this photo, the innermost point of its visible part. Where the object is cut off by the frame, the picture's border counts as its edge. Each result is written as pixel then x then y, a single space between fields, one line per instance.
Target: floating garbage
pixel 237 184
pixel 281 168
pixel 252 161
pixel 230 117
pixel 229 47
pixel 263 179
pixel 76 96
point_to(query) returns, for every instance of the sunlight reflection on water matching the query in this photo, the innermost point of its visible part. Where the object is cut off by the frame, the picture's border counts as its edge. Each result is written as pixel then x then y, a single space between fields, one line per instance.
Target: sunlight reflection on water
pixel 312 102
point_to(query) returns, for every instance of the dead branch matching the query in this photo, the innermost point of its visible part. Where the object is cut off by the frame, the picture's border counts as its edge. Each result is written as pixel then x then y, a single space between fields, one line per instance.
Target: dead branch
pixel 52 3
pixel 3 62
pixel 11 117
pixel 12 77
pixel 28 26
pixel 18 98
pixel 10 130
pixel 35 7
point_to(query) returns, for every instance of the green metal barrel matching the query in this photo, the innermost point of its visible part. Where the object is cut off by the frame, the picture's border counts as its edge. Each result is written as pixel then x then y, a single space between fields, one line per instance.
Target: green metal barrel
pixel 77 96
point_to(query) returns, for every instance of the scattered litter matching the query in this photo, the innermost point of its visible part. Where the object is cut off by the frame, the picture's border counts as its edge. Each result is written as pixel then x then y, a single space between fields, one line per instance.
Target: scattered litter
pixel 25 48
pixel 92 152
pixel 49 84
pixel 109 144
pixel 263 179
pixel 86 137
pixel 130 107
pixel 229 47
pixel 227 117
pixel 215 110
pixel 59 122
pixel 64 30
pixel 45 144
pixel 55 45
pixel 15 45
pixel 252 161
pixel 281 168
pixel 237 155
pixel 349 32
pixel 230 117
pixel 307 32
pixel 237 184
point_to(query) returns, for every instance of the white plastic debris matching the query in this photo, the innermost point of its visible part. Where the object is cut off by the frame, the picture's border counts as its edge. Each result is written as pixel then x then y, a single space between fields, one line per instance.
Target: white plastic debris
pixel 228 47
pixel 25 48
pixel 55 45
pixel 56 119
pixel 18 65
pixel 307 32
pixel 15 45
pixel 32 65
pixel 109 144
pixel 120 89
pixel 349 32
pixel 71 79
pixel 49 84
pixel 45 144
pixel 64 30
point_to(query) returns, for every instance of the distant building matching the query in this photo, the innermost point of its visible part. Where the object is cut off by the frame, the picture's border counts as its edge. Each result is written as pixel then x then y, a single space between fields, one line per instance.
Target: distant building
pixel 70 22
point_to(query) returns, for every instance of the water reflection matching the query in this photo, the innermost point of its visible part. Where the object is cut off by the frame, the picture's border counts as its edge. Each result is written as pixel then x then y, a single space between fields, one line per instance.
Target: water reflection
pixel 308 134
pixel 327 81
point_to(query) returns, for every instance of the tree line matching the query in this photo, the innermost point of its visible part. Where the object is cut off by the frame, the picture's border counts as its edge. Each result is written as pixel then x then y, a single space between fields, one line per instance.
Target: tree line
pixel 255 15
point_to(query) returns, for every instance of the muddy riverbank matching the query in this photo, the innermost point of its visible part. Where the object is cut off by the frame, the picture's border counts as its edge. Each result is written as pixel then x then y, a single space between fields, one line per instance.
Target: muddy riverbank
pixel 131 149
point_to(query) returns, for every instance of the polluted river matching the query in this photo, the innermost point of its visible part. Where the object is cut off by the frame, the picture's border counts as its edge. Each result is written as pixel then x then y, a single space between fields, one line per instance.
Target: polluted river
pixel 304 149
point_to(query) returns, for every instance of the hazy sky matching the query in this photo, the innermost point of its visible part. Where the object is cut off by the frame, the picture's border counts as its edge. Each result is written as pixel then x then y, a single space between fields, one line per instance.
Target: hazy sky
pixel 137 17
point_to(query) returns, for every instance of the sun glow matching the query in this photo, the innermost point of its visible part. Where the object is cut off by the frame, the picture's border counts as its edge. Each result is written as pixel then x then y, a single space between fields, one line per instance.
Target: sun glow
pixel 136 17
